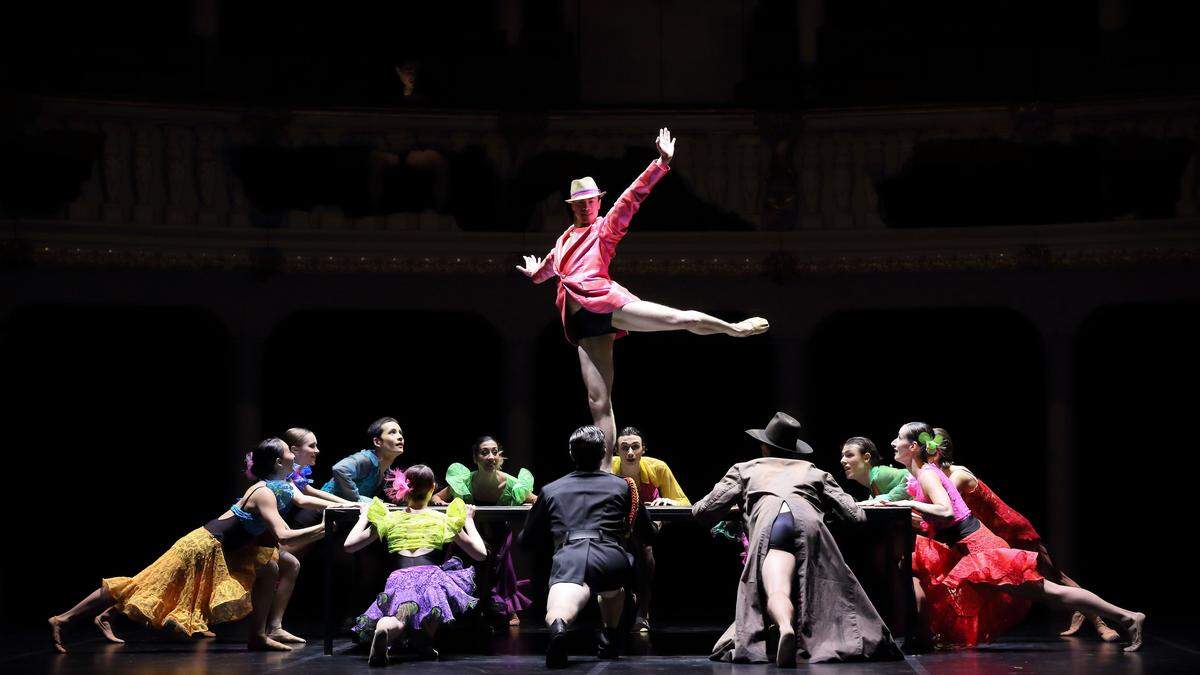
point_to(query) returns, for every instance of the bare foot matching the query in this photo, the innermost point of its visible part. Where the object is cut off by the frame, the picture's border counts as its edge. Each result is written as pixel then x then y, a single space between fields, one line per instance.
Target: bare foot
pixel 56 634
pixel 379 649
pixel 1135 632
pixel 105 627
pixel 264 643
pixel 1105 631
pixel 206 635
pixel 285 637
pixel 1076 624
pixel 752 326
pixel 785 655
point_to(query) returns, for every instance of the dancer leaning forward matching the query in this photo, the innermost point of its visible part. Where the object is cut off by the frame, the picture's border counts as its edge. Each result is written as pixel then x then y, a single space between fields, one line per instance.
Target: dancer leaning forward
pixel 595 310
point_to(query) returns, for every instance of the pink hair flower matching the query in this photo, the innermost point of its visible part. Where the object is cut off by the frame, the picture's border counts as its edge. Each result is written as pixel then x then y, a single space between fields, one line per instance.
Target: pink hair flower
pixel 396 487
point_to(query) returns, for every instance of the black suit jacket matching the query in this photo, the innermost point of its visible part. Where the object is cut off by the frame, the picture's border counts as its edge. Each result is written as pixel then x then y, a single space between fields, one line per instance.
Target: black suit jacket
pixel 583 500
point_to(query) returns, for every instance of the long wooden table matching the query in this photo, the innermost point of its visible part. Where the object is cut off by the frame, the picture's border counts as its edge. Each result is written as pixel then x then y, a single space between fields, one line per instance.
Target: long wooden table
pixel 880 554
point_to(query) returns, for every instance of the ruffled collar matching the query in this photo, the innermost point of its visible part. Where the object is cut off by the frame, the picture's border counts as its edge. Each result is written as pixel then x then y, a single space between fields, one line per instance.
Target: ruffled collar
pixel 300 476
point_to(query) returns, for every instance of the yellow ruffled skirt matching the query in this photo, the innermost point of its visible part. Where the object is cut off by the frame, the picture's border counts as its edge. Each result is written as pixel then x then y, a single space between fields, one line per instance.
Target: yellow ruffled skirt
pixel 194 584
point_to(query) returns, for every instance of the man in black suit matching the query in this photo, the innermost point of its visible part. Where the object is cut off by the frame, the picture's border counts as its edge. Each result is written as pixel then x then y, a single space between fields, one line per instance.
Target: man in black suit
pixel 587 514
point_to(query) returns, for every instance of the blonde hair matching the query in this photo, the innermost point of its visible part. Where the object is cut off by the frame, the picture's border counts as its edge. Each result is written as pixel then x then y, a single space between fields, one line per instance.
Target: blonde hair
pixel 295 436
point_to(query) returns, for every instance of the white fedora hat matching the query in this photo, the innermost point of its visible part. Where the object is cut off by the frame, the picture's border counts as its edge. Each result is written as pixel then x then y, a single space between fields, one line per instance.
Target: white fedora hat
pixel 584 188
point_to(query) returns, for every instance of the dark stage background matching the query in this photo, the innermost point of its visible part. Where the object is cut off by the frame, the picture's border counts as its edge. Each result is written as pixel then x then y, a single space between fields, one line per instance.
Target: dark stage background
pixel 219 220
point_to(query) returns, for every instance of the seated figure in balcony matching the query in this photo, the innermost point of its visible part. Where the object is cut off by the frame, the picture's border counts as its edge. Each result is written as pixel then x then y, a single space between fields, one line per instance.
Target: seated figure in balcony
pixel 594 309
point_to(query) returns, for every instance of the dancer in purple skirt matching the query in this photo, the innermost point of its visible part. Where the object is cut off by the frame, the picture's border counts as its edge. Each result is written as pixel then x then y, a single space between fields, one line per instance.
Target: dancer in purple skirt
pixel 427 589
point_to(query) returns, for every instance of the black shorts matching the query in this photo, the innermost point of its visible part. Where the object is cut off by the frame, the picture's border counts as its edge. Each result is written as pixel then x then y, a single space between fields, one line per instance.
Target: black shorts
pixel 585 324
pixel 783 533
pixel 602 565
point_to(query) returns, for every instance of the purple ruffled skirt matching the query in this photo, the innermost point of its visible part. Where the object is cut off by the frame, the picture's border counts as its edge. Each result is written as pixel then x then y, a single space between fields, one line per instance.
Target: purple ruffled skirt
pixel 446 591
pixel 507 597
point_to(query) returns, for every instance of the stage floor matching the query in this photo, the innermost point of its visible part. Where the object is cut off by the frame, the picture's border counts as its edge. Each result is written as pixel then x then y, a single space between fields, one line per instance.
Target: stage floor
pixel 1173 647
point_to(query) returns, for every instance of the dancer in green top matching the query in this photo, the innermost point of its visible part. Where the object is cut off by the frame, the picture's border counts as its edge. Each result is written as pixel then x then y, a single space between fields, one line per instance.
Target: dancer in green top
pixel 860 461
pixel 489 486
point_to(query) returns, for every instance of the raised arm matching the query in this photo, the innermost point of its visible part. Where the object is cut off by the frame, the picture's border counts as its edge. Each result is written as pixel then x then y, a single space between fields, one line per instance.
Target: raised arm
pixel 616 223
pixel 724 496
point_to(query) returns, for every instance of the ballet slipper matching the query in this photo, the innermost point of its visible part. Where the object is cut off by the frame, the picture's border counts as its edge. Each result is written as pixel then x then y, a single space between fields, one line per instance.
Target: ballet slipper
pixel 1105 631
pixel 1136 632
pixel 514 620
pixel 56 634
pixel 285 637
pixel 206 635
pixel 752 326
pixel 1076 624
pixel 105 627
pixel 264 643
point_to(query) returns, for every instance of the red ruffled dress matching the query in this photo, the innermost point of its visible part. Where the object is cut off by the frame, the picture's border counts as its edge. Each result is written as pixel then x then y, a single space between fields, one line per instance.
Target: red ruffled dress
pixel 961 575
pixel 581 256
pixel 1002 519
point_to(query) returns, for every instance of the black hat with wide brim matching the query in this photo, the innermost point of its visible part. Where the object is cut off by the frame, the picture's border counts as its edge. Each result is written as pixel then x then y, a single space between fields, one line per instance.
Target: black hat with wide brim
pixel 782 433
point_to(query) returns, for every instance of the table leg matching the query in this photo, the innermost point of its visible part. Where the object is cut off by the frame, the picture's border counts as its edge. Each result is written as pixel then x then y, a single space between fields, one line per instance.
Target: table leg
pixel 327 613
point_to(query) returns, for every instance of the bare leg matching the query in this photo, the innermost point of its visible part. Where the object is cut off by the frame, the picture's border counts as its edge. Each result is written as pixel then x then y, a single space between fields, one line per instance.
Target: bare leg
pixel 388 631
pixel 565 601
pixel 645 582
pixel 261 596
pixel 1083 600
pixel 96 601
pixel 289 569
pixel 1106 633
pixel 596 365
pixel 432 624
pixel 777 571
pixel 103 622
pixel 645 317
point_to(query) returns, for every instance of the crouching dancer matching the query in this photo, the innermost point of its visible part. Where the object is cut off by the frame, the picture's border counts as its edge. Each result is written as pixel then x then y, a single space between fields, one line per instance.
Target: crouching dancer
pixel 794 564
pixel 587 514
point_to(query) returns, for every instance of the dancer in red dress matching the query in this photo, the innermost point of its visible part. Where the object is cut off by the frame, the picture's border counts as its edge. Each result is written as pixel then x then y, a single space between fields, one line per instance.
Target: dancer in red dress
pixel 964 575
pixel 595 310
pixel 1010 526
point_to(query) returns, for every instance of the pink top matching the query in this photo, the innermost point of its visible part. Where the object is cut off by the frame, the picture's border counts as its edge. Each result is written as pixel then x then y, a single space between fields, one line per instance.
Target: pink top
pixel 581 256
pixel 956 501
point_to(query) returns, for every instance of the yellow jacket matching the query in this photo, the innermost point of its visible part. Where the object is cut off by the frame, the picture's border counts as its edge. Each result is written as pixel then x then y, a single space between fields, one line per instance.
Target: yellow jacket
pixel 656 472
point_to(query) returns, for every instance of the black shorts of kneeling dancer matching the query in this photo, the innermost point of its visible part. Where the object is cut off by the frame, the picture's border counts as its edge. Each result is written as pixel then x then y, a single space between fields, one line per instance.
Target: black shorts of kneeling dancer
pixel 783 533
pixel 585 324
pixel 602 565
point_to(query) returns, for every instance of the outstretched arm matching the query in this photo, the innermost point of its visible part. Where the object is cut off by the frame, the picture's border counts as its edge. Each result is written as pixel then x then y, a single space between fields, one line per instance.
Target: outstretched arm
pixel 538 269
pixel 616 223
pixel 724 496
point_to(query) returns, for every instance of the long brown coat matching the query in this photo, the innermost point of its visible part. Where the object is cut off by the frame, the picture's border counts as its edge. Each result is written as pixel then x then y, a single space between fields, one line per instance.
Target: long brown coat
pixel 834 619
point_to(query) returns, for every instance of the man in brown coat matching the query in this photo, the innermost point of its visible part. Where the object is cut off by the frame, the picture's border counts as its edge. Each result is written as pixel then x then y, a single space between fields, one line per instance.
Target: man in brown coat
pixel 794 564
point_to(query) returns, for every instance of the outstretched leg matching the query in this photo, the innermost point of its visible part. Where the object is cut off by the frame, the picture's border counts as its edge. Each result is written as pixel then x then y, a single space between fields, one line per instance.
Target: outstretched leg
pixel 778 569
pixel 1049 570
pixel 596 365
pixel 646 317
pixel 1083 600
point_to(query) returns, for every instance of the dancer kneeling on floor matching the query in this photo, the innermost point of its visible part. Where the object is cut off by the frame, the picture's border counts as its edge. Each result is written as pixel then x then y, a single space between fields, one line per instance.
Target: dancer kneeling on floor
pixel 587 514
pixel 219 572
pixel 427 589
